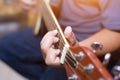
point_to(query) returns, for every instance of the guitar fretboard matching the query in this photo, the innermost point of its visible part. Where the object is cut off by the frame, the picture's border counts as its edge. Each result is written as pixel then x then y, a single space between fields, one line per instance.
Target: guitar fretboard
pixel 79 65
pixel 52 24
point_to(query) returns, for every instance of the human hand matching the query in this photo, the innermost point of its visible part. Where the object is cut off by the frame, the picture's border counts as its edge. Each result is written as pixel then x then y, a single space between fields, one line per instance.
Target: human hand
pixel 70 36
pixel 50 53
pixel 30 5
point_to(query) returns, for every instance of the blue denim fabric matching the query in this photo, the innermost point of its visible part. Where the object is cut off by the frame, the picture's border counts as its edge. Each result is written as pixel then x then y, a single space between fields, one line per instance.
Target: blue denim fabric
pixel 21 50
pixel 52 73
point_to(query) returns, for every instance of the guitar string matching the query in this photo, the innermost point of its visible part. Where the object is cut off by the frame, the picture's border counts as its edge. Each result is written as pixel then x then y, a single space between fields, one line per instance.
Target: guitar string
pixel 68 55
pixel 80 68
pixel 61 43
pixel 74 71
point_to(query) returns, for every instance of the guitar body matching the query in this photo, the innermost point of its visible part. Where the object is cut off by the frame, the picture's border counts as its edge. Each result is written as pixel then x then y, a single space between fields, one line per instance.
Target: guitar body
pixel 80 62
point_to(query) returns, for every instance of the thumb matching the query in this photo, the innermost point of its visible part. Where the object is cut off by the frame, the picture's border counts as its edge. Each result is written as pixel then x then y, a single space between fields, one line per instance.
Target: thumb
pixel 70 36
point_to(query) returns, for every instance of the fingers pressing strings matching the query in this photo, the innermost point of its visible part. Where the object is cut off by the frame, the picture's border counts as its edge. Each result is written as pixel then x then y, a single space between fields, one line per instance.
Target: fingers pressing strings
pixel 49 40
pixel 70 36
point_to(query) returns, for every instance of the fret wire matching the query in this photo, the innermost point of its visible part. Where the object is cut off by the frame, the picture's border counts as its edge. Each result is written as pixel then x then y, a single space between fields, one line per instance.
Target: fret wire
pixel 61 43
pixel 52 21
pixel 70 67
pixel 66 60
pixel 68 57
pixel 52 25
pixel 79 68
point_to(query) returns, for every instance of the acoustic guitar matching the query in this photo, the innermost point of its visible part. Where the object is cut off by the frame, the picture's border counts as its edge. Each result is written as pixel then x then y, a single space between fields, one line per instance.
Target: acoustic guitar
pixel 79 62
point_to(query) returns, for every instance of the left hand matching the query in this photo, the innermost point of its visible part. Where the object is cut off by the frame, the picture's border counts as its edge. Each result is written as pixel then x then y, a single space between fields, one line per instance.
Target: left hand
pixel 70 36
pixel 50 53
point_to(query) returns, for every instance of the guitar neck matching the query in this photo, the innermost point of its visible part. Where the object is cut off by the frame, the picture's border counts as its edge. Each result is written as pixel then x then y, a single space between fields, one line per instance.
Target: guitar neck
pixel 52 24
pixel 49 18
pixel 51 21
pixel 77 59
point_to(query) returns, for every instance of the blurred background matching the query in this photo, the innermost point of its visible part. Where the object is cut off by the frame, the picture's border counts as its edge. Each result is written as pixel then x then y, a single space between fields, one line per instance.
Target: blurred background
pixel 12 18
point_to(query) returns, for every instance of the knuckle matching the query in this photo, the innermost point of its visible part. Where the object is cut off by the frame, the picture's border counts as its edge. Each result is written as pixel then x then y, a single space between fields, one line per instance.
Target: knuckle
pixel 47 62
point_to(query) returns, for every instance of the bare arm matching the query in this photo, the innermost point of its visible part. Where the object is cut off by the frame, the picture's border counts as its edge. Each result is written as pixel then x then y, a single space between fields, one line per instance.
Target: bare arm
pixel 109 39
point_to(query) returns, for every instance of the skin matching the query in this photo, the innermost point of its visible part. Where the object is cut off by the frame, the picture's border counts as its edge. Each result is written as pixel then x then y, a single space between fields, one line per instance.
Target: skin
pixel 108 38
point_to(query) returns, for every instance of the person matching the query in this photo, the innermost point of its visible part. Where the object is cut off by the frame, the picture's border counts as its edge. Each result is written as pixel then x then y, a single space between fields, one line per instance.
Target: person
pixel 21 50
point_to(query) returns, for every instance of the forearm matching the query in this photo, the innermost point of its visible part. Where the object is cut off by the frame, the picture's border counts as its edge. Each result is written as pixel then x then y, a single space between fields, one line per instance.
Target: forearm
pixel 109 39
